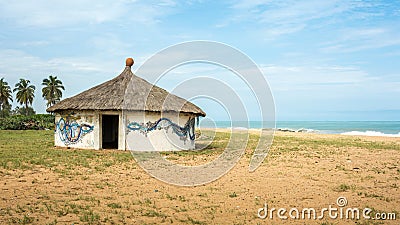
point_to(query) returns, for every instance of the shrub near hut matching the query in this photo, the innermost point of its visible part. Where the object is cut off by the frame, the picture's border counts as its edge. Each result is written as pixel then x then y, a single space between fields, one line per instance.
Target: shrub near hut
pixel 21 122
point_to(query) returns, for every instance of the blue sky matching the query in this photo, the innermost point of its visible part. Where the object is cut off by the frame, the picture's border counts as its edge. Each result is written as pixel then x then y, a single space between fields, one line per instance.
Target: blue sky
pixel 324 60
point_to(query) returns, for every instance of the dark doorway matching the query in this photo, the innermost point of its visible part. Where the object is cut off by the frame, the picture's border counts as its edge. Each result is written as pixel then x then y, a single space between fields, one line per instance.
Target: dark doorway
pixel 110 131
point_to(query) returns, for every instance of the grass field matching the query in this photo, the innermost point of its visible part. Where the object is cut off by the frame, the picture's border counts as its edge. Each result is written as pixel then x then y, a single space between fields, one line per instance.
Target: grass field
pixel 41 184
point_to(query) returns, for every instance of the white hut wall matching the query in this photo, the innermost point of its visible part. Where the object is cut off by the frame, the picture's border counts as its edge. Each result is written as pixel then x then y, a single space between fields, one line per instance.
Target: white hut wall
pixel 76 129
pixel 159 132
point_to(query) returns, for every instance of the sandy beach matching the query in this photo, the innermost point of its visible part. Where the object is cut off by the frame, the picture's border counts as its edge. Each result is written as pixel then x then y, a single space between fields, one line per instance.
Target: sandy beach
pixel 302 170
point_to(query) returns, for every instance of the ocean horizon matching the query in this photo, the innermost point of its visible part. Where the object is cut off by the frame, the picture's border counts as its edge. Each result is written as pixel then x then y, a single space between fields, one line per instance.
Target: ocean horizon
pixel 367 128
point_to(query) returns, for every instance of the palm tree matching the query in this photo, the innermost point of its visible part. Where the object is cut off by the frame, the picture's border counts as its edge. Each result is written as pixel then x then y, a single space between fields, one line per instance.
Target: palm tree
pixel 52 90
pixel 25 93
pixel 5 94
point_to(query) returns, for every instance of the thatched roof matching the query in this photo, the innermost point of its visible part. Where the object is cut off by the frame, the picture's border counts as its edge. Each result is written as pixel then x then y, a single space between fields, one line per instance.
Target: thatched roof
pixel 110 95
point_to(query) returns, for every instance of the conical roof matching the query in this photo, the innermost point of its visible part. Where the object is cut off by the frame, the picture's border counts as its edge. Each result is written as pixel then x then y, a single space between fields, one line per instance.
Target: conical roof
pixel 129 92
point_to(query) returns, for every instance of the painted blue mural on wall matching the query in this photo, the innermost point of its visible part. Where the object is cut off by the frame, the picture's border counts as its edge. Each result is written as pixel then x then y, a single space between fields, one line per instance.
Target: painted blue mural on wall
pixel 70 132
pixel 165 123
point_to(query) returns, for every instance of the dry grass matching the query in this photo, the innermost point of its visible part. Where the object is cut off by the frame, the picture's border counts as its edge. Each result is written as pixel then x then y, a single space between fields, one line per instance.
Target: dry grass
pixel 41 184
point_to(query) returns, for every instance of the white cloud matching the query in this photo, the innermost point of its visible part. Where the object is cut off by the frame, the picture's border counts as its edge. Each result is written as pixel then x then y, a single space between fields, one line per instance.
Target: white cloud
pixel 167 3
pixel 357 39
pixel 111 44
pixel 77 74
pixel 274 32
pixel 34 43
pixel 285 17
pixel 316 92
pixel 16 62
pixel 308 78
pixel 57 13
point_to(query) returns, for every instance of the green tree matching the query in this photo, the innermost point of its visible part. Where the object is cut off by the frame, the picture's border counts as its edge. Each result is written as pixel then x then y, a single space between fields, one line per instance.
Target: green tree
pixel 25 93
pixel 6 111
pixel 23 111
pixel 52 90
pixel 5 97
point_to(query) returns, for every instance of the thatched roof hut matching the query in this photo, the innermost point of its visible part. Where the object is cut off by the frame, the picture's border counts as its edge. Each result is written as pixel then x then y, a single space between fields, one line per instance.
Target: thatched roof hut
pixel 126 104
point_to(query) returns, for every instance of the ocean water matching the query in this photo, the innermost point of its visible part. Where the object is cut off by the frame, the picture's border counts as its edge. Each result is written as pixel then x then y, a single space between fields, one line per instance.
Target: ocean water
pixel 368 128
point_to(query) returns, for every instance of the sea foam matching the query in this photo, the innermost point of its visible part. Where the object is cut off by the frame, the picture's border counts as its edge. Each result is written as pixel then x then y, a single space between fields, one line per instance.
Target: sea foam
pixel 371 133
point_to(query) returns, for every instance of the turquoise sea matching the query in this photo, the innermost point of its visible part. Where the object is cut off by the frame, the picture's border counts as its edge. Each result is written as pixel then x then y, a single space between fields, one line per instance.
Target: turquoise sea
pixel 370 128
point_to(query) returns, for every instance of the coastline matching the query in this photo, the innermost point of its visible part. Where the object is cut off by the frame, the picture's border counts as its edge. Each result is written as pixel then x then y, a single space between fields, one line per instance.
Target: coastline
pixel 311 135
pixel 359 128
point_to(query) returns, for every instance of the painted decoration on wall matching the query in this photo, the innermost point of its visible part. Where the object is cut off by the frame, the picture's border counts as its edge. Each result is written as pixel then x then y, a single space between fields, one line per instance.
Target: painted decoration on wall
pixel 184 132
pixel 70 131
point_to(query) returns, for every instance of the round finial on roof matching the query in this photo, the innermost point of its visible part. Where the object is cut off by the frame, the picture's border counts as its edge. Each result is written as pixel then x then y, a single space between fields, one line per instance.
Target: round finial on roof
pixel 129 62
